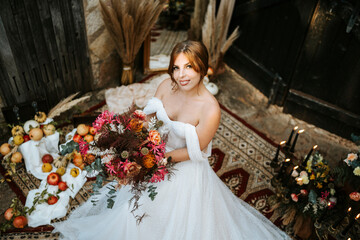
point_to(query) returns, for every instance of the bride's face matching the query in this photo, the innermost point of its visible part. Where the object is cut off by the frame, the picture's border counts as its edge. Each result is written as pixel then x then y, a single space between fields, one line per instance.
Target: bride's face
pixel 184 74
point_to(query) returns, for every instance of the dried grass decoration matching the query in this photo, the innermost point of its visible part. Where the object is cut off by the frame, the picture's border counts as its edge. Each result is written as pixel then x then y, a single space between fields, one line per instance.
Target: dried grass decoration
pixel 214 32
pixel 129 22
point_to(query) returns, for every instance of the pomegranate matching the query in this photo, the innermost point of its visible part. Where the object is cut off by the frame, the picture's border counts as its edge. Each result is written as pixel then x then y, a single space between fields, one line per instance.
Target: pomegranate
pixel 16 157
pixel 9 213
pixel 20 222
pixel 82 129
pixel 36 134
pixel 5 149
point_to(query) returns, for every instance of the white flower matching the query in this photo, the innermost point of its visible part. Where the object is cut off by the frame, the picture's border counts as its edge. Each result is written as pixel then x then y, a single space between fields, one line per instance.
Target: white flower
pixel 113 127
pixel 303 174
pixel 305 180
pixel 120 129
pixel 357 171
pixel 332 191
pixel 333 200
pixel 106 158
pixel 294 173
pixel 163 162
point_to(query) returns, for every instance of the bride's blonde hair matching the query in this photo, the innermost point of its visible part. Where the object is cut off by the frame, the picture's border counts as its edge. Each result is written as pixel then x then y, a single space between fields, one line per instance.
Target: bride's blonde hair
pixel 197 54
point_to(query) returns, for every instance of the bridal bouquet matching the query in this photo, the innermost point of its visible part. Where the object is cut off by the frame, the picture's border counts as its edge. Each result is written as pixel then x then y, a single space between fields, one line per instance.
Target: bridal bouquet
pixel 128 152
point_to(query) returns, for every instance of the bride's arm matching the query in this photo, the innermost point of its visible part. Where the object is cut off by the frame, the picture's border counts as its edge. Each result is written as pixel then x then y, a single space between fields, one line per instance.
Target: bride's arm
pixel 206 129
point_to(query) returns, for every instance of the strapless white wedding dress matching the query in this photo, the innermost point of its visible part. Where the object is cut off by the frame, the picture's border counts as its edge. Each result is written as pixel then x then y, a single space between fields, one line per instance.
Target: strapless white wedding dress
pixel 193 205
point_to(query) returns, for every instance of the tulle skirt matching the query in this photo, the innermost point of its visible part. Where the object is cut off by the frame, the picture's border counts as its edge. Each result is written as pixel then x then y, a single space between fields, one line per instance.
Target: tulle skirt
pixel 193 204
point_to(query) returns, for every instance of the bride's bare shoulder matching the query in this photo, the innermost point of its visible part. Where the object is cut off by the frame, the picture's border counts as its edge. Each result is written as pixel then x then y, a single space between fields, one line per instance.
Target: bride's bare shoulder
pixel 211 107
pixel 163 88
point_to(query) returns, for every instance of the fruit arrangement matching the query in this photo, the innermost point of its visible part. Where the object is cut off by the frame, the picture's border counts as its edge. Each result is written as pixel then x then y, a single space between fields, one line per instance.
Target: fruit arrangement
pixel 30 130
pixel 15 216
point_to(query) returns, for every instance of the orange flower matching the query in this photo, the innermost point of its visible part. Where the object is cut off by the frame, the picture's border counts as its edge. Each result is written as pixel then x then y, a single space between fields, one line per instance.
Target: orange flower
pixel 154 137
pixel 133 170
pixel 149 160
pixel 136 125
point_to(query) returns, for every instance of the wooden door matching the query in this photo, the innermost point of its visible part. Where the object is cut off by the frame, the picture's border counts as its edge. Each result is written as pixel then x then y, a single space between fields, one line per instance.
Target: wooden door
pixel 43 52
pixel 299 54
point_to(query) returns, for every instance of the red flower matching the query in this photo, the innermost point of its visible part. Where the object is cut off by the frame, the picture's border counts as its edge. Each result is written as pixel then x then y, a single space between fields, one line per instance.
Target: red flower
pixel 294 197
pixel 139 114
pixel 355 196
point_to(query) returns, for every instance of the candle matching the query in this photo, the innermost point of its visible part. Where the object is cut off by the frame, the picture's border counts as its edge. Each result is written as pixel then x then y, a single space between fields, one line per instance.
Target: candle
pixel 337 223
pixel 290 137
pixel 292 149
pixel 275 159
pixel 348 227
pixel 308 155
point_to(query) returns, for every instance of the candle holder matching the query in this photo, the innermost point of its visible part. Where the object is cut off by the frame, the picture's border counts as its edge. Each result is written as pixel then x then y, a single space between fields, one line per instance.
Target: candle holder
pixel 334 226
pixel 348 227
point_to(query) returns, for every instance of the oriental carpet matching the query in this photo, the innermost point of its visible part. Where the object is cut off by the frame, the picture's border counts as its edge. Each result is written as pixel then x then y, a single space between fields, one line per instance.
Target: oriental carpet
pixel 241 157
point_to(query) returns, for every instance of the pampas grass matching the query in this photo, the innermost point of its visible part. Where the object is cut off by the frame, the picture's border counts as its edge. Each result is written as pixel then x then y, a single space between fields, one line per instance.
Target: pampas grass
pixel 198 20
pixel 129 22
pixel 215 30
pixel 65 105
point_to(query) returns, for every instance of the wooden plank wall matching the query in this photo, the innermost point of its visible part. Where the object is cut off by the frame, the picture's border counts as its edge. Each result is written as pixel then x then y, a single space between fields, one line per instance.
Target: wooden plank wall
pixel 43 51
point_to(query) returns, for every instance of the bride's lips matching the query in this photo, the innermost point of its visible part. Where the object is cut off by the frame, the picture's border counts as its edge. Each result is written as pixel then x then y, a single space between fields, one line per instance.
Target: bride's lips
pixel 184 82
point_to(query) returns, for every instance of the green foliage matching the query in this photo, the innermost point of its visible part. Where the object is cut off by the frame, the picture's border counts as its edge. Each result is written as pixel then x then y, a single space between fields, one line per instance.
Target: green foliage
pixel 69 147
pixel 152 192
pixel 340 174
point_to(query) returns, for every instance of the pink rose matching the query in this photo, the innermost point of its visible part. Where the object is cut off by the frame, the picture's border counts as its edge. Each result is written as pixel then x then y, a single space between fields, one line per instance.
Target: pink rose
pixel 355 196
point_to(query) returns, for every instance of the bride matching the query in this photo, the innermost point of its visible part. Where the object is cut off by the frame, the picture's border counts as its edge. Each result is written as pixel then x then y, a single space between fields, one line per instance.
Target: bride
pixel 194 203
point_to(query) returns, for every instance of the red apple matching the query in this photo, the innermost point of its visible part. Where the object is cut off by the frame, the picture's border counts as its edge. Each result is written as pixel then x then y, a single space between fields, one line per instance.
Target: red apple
pixel 26 138
pixel 20 222
pixel 47 158
pixel 77 138
pixel 62 186
pixel 52 200
pixel 9 213
pixel 53 178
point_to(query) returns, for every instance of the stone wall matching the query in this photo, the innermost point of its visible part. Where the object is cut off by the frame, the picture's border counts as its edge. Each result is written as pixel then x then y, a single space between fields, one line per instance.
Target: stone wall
pixel 105 62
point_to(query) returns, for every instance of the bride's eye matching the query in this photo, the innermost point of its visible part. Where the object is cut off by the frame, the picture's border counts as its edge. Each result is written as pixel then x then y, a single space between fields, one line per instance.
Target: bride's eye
pixel 175 68
pixel 188 66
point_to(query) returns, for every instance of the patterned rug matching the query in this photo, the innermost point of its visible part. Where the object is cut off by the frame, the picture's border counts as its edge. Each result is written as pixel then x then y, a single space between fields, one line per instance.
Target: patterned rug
pixel 241 158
